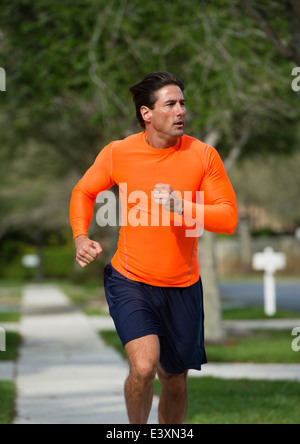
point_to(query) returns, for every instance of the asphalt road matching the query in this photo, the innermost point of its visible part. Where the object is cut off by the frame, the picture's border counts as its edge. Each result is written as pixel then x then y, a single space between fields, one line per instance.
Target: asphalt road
pixel 236 294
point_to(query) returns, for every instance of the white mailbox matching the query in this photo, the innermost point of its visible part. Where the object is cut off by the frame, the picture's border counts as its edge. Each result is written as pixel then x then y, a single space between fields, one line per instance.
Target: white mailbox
pixel 31 261
pixel 269 261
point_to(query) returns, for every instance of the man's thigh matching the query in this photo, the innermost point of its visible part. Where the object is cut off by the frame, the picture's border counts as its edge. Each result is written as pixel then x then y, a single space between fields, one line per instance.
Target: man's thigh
pixel 144 354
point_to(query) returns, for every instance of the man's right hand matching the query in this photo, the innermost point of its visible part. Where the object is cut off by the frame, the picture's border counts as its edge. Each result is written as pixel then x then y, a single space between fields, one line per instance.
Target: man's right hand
pixel 86 250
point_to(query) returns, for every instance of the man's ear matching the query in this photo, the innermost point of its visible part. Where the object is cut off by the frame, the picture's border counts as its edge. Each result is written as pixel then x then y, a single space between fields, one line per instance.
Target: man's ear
pixel 146 114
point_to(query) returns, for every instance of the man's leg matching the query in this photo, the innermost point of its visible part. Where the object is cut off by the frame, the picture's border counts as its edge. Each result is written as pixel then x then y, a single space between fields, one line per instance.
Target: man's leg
pixel 143 357
pixel 174 397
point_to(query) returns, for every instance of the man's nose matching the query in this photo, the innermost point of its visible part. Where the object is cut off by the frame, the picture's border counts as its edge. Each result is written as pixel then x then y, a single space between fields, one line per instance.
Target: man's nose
pixel 180 110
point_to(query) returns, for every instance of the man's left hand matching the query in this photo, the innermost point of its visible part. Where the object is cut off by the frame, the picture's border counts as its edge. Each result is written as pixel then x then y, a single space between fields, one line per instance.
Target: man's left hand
pixel 164 195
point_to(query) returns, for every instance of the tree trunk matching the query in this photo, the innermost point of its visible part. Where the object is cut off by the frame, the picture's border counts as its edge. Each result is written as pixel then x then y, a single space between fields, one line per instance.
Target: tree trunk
pixel 212 298
pixel 39 271
pixel 245 244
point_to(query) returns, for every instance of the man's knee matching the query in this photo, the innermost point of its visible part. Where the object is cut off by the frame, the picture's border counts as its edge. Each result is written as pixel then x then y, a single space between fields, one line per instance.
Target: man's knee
pixel 143 355
pixel 143 371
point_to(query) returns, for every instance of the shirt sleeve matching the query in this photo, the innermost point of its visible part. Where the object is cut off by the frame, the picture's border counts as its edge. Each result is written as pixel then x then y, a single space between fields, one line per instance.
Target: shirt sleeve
pixel 96 180
pixel 218 211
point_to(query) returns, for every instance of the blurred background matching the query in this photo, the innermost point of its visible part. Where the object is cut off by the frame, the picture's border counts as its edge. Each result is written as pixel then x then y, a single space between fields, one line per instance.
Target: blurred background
pixel 69 65
pixel 68 69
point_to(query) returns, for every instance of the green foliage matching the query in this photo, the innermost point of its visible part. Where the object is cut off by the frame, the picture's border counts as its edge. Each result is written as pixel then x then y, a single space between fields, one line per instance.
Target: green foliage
pixel 69 67
pixel 58 261
pixel 58 258
pixel 12 345
pixel 11 252
pixel 73 64
pixel 7 401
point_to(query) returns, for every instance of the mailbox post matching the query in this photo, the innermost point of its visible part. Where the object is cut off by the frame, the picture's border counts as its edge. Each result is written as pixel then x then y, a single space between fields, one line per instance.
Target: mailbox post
pixel 269 262
pixel 2 340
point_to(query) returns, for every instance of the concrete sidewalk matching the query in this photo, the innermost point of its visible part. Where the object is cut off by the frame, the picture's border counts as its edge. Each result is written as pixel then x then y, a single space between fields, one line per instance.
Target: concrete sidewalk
pixel 268 372
pixel 65 373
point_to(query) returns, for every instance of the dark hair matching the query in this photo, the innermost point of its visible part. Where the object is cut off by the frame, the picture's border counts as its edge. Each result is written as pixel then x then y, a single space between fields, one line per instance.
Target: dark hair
pixel 143 93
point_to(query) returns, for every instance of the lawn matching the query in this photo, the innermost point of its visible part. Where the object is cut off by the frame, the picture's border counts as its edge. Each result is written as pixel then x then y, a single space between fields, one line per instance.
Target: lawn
pixel 258 346
pixel 218 401
pixel 10 292
pixel 262 346
pixel 7 400
pixel 247 313
pixel 10 300
pixel 13 341
pixel 10 317
pixel 89 297
pixel 112 339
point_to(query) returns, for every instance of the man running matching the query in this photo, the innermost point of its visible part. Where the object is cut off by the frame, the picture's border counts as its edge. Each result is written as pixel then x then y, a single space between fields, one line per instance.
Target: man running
pixel 153 285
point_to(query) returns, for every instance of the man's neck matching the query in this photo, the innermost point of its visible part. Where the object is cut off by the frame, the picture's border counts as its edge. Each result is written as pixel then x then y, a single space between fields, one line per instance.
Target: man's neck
pixel 158 142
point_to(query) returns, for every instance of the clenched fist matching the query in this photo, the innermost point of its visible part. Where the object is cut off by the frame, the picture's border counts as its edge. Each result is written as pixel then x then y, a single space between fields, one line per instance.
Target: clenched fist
pixel 86 250
pixel 164 195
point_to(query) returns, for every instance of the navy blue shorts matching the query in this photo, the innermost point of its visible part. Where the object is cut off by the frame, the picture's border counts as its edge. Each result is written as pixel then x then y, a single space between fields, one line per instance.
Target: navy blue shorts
pixel 174 314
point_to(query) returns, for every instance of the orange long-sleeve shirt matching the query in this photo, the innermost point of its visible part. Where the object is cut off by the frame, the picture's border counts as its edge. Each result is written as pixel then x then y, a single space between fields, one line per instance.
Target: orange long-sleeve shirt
pixel 148 251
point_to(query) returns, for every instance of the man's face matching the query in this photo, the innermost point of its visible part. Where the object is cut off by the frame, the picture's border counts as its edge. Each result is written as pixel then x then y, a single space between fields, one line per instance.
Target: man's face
pixel 168 117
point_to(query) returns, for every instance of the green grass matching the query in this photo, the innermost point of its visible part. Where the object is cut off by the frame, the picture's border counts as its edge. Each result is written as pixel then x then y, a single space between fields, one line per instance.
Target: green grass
pixel 90 297
pixel 12 344
pixel 112 339
pixel 258 347
pixel 12 283
pixel 96 311
pixel 218 401
pixel 10 298
pixel 258 277
pixel 7 401
pixel 10 317
pixel 10 292
pixel 256 313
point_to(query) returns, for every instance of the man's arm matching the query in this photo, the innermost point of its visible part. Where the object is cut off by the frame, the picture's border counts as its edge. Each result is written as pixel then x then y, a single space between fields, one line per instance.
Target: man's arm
pixel 97 179
pixel 219 209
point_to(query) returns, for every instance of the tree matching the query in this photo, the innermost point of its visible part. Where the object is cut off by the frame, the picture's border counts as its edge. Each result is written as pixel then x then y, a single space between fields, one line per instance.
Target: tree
pixel 289 51
pixel 274 187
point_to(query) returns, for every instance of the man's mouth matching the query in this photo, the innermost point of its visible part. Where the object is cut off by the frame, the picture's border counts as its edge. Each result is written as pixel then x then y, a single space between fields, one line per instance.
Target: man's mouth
pixel 179 124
